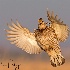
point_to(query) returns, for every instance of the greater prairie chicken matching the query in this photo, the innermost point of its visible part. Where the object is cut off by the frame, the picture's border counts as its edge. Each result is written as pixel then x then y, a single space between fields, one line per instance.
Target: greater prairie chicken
pixel 45 38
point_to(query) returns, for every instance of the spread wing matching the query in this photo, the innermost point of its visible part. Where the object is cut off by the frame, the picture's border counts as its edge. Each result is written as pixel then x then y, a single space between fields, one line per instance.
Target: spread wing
pixel 23 38
pixel 61 29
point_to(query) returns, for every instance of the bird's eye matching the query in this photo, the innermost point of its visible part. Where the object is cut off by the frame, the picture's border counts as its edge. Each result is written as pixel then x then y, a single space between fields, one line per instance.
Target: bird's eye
pixel 40 23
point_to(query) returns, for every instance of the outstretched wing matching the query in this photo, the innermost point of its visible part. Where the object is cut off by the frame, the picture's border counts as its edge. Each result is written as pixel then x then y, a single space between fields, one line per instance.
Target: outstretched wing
pixel 23 38
pixel 61 30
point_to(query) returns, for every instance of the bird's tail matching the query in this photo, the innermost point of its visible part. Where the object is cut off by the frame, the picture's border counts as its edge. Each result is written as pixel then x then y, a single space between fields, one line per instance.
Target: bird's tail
pixel 57 60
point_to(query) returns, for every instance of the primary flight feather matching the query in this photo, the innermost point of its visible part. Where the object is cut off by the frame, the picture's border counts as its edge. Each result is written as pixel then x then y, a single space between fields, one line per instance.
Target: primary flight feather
pixel 23 38
pixel 61 29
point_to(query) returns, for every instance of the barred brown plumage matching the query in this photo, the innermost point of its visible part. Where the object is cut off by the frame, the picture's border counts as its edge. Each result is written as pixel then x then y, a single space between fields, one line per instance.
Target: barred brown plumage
pixel 45 38
pixel 61 29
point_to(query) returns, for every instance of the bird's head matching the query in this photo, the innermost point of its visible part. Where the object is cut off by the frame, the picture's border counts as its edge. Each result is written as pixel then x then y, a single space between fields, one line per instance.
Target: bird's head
pixel 42 24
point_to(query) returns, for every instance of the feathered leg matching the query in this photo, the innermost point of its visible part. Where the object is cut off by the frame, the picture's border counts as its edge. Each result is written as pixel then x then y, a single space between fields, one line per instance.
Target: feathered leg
pixel 56 58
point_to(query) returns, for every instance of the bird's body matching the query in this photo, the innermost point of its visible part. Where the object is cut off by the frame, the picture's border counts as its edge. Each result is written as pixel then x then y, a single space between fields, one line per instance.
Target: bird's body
pixel 45 38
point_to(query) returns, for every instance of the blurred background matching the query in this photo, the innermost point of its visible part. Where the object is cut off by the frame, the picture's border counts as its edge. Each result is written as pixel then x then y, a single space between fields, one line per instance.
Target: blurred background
pixel 28 12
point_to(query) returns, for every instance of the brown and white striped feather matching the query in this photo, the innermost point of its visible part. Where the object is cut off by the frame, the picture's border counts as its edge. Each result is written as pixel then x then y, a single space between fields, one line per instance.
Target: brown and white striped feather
pixel 23 38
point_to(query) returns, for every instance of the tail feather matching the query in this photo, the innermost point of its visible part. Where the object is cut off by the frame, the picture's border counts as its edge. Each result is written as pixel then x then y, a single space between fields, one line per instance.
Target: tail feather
pixel 57 60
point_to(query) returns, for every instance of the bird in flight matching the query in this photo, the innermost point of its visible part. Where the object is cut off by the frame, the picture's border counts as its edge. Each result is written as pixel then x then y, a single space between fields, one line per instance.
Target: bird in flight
pixel 44 38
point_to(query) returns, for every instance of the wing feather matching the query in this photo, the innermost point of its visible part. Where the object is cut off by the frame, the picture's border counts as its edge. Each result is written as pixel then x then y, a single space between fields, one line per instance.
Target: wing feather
pixel 61 29
pixel 23 38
